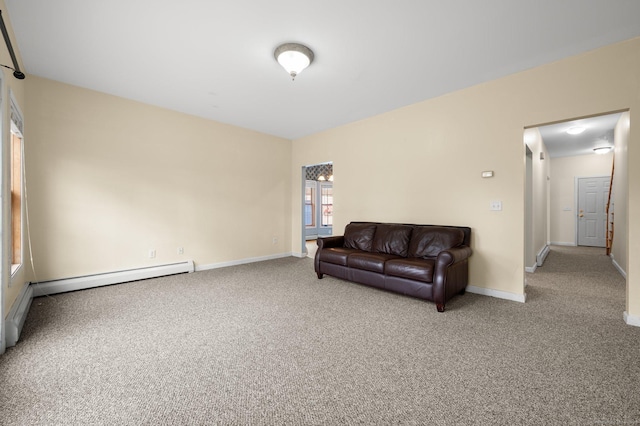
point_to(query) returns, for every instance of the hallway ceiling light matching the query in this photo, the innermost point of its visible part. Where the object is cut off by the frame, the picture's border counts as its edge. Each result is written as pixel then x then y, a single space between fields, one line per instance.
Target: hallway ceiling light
pixel 293 57
pixel 602 150
pixel 576 130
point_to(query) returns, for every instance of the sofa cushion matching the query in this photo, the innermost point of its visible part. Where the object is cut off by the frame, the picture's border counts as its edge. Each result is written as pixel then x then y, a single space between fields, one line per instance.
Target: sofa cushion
pixel 359 236
pixel 373 262
pixel 335 255
pixel 411 268
pixel 428 241
pixel 392 239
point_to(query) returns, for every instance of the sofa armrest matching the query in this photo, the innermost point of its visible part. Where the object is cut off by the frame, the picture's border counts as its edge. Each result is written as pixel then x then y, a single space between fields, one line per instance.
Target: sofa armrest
pixel 325 243
pixel 451 274
pixel 328 242
pixel 449 257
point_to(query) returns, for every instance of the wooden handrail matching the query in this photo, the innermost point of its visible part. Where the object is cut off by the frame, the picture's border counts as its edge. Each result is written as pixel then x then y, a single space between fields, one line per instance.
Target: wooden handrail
pixel 609 222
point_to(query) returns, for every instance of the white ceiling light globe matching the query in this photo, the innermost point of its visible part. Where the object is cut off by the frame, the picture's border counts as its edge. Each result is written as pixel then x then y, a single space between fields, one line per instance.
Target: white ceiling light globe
pixel 293 57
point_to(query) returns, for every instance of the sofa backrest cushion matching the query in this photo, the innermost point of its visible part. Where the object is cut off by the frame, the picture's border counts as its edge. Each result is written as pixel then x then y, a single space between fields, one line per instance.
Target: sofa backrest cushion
pixel 392 239
pixel 428 241
pixel 359 236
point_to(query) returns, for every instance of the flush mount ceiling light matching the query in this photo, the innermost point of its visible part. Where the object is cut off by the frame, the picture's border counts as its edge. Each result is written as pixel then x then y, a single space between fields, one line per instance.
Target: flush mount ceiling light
pixel 293 57
pixel 576 130
pixel 602 150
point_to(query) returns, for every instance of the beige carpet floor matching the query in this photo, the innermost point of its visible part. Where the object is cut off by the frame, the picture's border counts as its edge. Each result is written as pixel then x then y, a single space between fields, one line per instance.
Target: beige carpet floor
pixel 269 344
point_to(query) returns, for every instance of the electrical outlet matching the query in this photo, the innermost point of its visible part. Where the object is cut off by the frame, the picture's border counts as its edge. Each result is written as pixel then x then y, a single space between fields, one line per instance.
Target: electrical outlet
pixel 495 206
pixel 274 241
pixel 152 253
pixel 180 250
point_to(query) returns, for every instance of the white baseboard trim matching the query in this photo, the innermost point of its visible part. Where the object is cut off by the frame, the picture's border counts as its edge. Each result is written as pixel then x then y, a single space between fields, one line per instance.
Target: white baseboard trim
pixel 542 255
pixel 618 267
pixel 560 243
pixel 99 280
pixel 497 293
pixel 243 261
pixel 300 255
pixel 17 315
pixel 629 319
pixel 531 269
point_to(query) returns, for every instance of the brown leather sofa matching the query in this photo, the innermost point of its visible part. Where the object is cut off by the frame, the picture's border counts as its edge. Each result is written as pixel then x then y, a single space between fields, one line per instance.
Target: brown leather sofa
pixel 424 261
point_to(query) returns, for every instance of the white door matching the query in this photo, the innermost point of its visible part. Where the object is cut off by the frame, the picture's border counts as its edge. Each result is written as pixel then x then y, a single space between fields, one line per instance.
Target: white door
pixel 592 214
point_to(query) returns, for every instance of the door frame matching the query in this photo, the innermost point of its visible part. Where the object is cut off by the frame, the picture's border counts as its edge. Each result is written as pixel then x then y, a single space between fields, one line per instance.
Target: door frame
pixel 529 252
pixel 303 189
pixel 303 186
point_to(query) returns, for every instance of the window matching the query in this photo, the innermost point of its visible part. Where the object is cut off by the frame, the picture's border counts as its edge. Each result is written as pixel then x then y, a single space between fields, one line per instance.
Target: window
pixel 16 199
pixel 327 204
pixel 16 161
pixel 310 204
pixel 317 215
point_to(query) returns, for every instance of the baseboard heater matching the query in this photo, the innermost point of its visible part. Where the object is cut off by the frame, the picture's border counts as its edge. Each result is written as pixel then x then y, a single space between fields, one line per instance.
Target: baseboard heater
pixel 98 280
pixel 17 316
pixel 542 255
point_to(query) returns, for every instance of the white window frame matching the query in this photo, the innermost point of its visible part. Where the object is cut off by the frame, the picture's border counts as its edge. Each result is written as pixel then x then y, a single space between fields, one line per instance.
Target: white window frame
pixel 17 126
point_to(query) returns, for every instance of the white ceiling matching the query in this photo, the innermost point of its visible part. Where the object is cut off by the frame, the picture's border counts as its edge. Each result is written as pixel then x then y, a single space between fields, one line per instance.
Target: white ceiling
pixel 214 59
pixel 598 133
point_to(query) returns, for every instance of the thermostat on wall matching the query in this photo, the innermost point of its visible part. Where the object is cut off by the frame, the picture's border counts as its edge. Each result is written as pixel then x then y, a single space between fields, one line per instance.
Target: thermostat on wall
pixel 487 174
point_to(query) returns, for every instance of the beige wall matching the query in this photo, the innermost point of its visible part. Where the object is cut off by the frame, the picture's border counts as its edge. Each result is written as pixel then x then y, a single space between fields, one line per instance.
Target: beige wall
pixel 540 194
pixel 10 85
pixel 564 171
pixel 432 154
pixel 620 192
pixel 110 179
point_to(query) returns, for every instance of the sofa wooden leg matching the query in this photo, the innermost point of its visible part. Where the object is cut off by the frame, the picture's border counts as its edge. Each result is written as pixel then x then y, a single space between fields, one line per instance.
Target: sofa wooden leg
pixel 440 307
pixel 463 291
pixel 320 275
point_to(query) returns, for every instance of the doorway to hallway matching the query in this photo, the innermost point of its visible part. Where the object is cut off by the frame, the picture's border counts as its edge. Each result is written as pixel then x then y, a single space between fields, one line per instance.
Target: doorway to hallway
pixel 585 200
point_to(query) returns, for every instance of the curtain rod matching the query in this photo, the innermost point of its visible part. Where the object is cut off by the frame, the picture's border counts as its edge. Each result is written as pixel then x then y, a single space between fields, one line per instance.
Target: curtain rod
pixel 16 68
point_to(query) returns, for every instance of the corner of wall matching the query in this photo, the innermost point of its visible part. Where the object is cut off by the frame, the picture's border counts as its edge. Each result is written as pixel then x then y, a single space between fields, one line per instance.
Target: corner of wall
pixel 631 319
